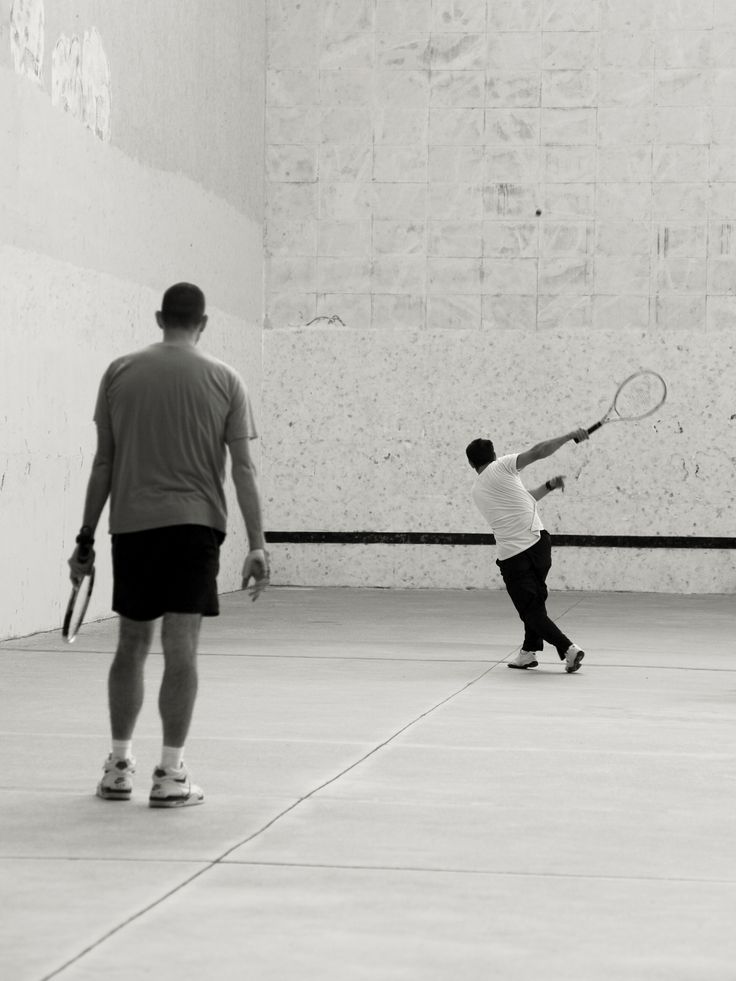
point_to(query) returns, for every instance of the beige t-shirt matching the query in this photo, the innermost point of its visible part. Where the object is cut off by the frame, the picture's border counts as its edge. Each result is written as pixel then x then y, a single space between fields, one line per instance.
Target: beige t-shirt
pixel 508 507
pixel 172 410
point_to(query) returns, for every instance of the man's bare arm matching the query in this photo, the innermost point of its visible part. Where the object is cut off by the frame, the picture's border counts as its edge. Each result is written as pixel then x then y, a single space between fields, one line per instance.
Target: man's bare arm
pixel 256 566
pixel 98 491
pixel 547 447
pixel 546 488
pixel 100 479
pixel 246 489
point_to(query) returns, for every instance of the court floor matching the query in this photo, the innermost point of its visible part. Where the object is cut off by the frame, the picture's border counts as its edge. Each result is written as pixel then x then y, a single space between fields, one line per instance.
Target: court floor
pixel 385 800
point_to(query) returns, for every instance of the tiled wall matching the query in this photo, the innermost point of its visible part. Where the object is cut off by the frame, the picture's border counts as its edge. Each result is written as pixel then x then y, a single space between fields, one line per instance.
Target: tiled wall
pixel 479 216
pixel 411 143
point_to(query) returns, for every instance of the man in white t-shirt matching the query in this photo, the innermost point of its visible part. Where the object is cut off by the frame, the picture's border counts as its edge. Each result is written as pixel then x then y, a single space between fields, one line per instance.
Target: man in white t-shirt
pixel 524 549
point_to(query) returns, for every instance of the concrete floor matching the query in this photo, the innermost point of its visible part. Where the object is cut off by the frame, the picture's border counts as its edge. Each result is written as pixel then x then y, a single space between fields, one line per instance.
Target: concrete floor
pixel 385 800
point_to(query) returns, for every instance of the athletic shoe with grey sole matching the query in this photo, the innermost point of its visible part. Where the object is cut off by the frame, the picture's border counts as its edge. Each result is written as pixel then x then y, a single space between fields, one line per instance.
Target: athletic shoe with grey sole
pixel 524 660
pixel 573 657
pixel 173 788
pixel 116 783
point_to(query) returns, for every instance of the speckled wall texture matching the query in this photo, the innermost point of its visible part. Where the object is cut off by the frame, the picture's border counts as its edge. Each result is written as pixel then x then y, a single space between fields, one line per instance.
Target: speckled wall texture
pixel 480 216
pixel 132 158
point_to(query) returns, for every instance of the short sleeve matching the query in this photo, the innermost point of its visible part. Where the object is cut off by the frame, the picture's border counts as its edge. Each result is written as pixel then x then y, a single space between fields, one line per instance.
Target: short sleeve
pixel 508 464
pixel 102 407
pixel 240 422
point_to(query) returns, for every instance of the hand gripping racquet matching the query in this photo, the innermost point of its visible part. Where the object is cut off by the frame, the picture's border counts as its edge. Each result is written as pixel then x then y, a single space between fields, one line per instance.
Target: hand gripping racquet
pixel 78 600
pixel 638 396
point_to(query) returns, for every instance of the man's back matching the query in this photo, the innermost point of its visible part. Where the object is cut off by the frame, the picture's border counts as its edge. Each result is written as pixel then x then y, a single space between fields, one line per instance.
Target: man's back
pixel 171 411
pixel 507 506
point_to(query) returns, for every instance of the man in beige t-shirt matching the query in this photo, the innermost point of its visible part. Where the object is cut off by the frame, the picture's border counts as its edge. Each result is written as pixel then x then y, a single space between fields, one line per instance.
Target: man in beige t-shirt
pixel 165 417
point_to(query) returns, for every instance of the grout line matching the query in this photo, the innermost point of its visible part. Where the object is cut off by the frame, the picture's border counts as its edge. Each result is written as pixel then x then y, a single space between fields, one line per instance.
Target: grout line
pixel 486 872
pixel 214 863
pixel 494 662
pixel 104 858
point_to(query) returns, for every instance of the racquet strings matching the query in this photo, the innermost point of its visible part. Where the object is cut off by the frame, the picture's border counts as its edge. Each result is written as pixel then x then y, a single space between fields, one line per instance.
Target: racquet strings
pixel 640 395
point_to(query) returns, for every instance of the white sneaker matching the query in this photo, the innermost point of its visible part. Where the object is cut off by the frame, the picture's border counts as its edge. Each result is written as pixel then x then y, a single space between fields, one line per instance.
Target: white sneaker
pixel 173 788
pixel 116 783
pixel 524 659
pixel 573 657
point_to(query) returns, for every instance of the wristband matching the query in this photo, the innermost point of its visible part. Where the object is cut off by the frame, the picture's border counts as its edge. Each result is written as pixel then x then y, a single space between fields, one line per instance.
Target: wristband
pixel 85 536
pixel 548 485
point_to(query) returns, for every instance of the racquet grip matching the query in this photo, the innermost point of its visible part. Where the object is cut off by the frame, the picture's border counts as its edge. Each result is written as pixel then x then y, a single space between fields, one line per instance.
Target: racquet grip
pixel 596 425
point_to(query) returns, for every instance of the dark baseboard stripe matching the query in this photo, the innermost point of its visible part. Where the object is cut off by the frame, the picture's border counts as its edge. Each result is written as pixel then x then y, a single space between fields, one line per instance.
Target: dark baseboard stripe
pixel 452 538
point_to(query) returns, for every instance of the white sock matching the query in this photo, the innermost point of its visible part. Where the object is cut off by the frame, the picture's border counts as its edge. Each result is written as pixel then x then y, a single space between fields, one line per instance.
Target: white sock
pixel 171 757
pixel 122 749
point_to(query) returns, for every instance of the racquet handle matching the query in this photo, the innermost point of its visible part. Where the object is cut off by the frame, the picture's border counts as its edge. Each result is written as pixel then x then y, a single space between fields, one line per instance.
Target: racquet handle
pixel 596 425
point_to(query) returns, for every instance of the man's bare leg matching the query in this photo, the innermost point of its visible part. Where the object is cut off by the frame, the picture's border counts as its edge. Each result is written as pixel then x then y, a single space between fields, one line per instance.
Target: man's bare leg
pixel 179 637
pixel 125 697
pixel 125 681
pixel 171 784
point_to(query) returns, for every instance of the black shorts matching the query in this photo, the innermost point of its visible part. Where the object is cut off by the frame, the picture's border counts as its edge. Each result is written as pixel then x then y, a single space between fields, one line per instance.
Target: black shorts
pixel 166 570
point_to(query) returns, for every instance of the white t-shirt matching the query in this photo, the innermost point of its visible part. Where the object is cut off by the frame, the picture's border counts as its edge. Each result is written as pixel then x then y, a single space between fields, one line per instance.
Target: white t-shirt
pixel 507 506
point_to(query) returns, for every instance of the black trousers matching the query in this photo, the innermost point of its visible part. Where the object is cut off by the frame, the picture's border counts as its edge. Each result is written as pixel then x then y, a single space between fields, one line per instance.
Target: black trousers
pixel 525 578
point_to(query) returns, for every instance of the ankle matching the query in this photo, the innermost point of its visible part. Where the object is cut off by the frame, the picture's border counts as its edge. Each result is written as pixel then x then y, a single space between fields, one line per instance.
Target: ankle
pixel 122 749
pixel 172 757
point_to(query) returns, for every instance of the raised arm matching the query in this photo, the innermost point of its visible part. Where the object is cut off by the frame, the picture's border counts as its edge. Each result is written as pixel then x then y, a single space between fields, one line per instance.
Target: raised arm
pixel 547 447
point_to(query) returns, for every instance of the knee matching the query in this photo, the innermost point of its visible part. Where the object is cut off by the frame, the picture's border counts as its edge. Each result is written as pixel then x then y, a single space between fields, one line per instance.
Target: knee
pixel 179 638
pixel 134 642
pixel 131 651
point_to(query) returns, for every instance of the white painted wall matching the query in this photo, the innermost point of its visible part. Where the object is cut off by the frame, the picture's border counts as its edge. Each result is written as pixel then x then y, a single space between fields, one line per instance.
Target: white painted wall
pixel 95 222
pixel 415 299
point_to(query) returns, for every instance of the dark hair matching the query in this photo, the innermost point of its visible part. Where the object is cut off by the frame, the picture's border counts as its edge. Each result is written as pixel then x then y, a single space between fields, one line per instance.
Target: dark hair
pixel 183 305
pixel 480 451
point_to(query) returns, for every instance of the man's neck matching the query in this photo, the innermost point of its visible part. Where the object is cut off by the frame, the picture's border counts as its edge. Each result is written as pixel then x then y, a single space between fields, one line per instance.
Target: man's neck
pixel 181 338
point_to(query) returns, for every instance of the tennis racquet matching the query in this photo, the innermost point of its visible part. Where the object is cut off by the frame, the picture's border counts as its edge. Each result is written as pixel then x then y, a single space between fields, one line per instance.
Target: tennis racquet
pixel 638 396
pixel 78 600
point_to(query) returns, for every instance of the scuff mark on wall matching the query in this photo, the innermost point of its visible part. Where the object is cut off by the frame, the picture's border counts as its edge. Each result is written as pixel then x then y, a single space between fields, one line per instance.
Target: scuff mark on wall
pixel 96 85
pixel 677 464
pixel 66 75
pixel 26 37
pixel 80 81
pixel 332 321
pixel 725 242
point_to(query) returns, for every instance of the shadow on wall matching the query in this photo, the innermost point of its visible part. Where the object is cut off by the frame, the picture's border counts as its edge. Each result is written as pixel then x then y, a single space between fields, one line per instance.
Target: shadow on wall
pixel 80 72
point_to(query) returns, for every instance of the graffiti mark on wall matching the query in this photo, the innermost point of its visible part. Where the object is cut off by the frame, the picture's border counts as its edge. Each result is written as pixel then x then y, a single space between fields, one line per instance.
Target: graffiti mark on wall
pixel 66 75
pixel 80 81
pixel 80 71
pixel 26 37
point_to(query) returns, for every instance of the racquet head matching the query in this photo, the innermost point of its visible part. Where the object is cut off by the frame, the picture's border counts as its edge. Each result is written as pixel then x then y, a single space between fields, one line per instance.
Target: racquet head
pixel 77 607
pixel 640 395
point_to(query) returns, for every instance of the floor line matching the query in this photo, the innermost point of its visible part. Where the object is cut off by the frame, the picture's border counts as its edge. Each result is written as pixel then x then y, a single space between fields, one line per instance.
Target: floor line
pixel 486 872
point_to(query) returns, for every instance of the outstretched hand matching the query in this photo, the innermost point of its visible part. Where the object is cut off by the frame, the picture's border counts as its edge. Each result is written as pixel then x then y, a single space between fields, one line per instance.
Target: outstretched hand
pixel 558 483
pixel 256 568
pixel 579 435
